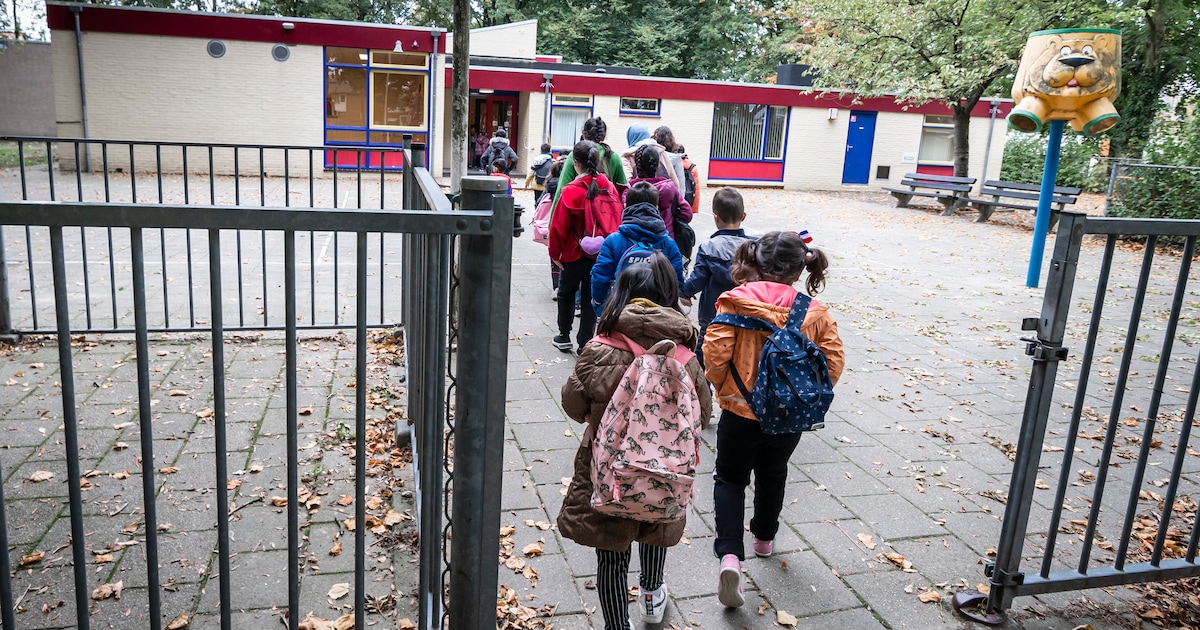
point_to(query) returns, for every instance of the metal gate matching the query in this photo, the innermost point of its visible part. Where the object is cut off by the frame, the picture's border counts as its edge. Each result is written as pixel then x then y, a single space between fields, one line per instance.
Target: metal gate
pixel 1104 478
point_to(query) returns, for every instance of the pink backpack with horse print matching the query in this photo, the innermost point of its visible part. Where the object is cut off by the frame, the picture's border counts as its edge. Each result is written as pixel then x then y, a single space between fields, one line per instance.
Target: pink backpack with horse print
pixel 646 447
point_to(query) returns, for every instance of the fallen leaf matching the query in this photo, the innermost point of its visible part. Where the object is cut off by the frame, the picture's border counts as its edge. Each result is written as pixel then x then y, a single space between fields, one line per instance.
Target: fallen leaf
pixel 786 620
pixel 339 590
pixel 233 484
pixel 122 475
pixel 405 624
pixel 1041 485
pixel 867 541
pixel 32 558
pixel 533 549
pixel 345 622
pixel 178 623
pixel 336 549
pixel 898 560
pixel 374 503
pixel 929 596
pixel 305 411
pixel 313 622
pixel 516 563
pixel 279 501
pixel 108 590
pixel 179 392
pixel 392 517
pixel 762 608
pixel 169 470
pixel 131 528
pixel 205 413
pixel 120 446
pixel 255 468
pixel 40 475
pixel 349 524
pixel 345 500
pixel 120 412
pixel 102 558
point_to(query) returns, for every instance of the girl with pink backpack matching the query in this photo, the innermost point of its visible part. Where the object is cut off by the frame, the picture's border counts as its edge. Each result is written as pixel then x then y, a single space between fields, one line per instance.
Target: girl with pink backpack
pixel 640 325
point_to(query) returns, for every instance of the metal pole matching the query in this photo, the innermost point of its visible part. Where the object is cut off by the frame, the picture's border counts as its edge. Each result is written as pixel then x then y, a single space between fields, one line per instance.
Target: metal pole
pixel 987 147
pixel 87 151
pixel 460 93
pixel 546 113
pixel 433 83
pixel 6 328
pixel 1114 166
pixel 1045 198
pixel 486 272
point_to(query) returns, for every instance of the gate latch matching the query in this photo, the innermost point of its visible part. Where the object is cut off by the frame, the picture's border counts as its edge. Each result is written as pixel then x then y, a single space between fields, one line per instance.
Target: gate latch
pixel 1044 352
pixel 1001 578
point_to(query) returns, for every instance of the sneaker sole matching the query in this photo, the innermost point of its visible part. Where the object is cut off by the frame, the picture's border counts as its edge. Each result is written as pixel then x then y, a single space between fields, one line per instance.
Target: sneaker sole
pixel 764 555
pixel 565 347
pixel 728 593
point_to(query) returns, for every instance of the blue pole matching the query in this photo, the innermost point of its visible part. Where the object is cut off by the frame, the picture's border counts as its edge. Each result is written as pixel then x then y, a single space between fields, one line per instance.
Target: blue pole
pixel 1045 198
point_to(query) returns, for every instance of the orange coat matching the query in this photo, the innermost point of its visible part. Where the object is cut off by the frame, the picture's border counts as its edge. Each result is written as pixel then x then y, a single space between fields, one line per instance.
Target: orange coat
pixel 726 345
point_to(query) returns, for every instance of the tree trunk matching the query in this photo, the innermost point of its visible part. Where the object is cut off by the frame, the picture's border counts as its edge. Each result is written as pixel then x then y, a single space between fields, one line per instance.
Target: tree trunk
pixel 962 140
pixel 460 94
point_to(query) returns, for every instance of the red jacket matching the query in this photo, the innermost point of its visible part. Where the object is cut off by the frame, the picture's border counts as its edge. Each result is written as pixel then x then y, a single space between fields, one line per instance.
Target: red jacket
pixel 567 223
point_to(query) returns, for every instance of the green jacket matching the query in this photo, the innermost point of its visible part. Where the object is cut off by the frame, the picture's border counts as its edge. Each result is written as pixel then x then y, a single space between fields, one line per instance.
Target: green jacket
pixel 615 172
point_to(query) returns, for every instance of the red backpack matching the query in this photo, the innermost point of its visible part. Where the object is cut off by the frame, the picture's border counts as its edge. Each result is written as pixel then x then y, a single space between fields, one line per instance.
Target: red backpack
pixel 602 215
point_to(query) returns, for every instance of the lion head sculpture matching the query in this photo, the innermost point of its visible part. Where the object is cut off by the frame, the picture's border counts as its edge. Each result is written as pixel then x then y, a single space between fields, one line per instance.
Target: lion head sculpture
pixel 1068 74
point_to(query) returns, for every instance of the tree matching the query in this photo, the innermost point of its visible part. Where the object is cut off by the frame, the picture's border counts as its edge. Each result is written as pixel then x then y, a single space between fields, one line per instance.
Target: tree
pixel 952 51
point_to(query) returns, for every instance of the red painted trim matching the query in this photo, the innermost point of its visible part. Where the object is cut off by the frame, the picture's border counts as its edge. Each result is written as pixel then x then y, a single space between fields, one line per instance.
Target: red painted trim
pixel 141 21
pixel 933 169
pixel 768 171
pixel 706 91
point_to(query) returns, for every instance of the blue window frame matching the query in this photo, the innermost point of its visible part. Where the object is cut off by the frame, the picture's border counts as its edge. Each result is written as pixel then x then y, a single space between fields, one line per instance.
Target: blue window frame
pixel 749 141
pixel 649 107
pixel 372 99
pixel 567 113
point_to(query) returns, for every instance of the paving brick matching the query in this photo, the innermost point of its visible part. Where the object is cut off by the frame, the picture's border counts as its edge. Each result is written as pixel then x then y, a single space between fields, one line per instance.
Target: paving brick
pixel 799 583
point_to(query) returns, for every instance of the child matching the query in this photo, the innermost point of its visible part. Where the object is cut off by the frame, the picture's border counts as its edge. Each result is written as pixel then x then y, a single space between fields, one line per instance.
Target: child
pixel 765 270
pixel 641 233
pixel 499 168
pixel 691 179
pixel 710 277
pixel 538 173
pixel 670 201
pixel 542 213
pixel 643 307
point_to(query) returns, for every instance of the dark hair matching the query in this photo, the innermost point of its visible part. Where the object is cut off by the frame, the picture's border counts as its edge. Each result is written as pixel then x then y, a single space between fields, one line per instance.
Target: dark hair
pixel 663 136
pixel 642 192
pixel 588 155
pixel 596 130
pixel 653 280
pixel 545 147
pixel 500 133
pixel 679 149
pixel 779 257
pixel 499 165
pixel 728 205
pixel 556 168
pixel 645 161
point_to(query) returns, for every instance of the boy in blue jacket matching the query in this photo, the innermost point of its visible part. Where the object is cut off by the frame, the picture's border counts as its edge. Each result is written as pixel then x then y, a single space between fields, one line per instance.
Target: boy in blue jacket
pixel 642 232
pixel 710 276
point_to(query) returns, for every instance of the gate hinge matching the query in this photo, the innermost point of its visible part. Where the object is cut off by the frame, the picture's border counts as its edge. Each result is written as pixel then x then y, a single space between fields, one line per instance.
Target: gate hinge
pixel 1000 577
pixel 1044 352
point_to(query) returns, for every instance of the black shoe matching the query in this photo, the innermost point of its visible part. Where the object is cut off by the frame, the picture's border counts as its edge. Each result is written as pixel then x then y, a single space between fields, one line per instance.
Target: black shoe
pixel 563 342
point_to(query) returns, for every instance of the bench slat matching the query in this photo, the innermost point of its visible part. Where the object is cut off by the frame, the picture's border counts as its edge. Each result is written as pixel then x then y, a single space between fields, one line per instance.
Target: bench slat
pixel 1061 190
pixel 1023 195
pixel 963 188
pixel 940 178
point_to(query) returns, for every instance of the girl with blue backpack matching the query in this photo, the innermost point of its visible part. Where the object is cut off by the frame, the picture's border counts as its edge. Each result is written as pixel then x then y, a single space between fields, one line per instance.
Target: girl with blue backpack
pixel 753 437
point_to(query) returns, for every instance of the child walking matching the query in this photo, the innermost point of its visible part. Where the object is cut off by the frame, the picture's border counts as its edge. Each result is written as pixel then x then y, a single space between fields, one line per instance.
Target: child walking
pixel 710 276
pixel 641 233
pixel 643 308
pixel 765 271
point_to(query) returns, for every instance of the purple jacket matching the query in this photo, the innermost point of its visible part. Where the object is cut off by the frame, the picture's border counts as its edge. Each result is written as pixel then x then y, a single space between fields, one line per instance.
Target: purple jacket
pixel 668 197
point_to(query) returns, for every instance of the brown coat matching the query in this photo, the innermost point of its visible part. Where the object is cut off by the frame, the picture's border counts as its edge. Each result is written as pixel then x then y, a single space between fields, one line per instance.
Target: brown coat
pixel 725 344
pixel 584 397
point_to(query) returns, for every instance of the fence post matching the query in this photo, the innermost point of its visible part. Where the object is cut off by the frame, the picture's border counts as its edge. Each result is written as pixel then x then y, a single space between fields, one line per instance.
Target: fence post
pixel 1112 182
pixel 1047 352
pixel 485 268
pixel 7 334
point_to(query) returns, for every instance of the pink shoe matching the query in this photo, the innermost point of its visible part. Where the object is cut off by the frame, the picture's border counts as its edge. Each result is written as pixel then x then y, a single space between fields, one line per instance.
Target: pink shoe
pixel 763 548
pixel 729 592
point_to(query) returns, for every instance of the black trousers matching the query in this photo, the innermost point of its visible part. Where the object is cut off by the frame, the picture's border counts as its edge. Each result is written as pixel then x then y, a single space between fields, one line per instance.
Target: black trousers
pixel 612 570
pixel 743 448
pixel 576 277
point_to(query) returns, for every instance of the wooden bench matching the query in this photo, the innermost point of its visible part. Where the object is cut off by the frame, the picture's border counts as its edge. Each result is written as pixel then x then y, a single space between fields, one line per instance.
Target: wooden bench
pixel 1010 196
pixel 950 191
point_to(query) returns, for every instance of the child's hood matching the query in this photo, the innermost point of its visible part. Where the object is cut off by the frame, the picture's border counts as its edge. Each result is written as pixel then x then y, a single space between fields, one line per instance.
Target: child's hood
pixel 642 218
pixel 771 301
pixel 649 325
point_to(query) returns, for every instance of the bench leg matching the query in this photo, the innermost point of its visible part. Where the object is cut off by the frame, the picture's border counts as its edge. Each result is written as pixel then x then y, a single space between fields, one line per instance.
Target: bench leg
pixel 952 206
pixel 985 213
pixel 902 199
pixel 1053 218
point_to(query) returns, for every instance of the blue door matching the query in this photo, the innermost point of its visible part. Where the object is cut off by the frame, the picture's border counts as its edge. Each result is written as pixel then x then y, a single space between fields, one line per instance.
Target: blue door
pixel 860 140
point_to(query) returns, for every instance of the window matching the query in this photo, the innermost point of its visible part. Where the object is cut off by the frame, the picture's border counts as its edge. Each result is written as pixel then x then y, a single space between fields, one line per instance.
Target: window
pixel 748 132
pixel 640 106
pixel 937 141
pixel 372 98
pixel 567 114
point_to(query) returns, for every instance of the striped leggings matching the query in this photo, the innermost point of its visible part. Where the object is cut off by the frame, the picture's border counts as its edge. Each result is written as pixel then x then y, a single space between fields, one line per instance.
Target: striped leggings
pixel 612 570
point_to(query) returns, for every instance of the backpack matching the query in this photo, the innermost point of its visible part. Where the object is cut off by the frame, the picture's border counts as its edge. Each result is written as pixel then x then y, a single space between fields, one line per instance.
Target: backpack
pixel 541 169
pixel 646 447
pixel 685 236
pixel 689 184
pixel 541 220
pixel 636 253
pixel 793 390
pixel 602 216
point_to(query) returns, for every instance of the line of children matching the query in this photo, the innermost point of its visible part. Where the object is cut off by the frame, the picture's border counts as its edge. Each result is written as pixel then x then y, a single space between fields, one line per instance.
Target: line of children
pixel 753 278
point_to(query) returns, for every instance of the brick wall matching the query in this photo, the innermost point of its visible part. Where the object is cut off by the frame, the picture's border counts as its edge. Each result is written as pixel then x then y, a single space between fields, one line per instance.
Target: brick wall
pixel 27 100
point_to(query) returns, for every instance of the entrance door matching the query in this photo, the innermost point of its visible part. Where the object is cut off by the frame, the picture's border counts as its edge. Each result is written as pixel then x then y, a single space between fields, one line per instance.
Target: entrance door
pixel 860 140
pixel 502 112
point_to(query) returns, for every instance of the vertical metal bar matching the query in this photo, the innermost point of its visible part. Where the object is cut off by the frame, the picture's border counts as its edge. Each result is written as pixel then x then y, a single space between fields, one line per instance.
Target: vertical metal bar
pixel 78 174
pixel 33 301
pixel 293 440
pixel 104 163
pixel 145 426
pixel 237 201
pixel 382 285
pixel 312 203
pixel 382 178
pixel 132 175
pixel 433 351
pixel 335 180
pixel 6 328
pixel 87 283
pixel 188 241
pixel 262 177
pixel 336 269
pixel 1114 417
pixel 312 277
pixel 287 181
pixel 479 416
pixel 1160 379
pixel 162 251
pixel 1051 327
pixel 112 276
pixel 1085 367
pixel 70 428
pixel 262 202
pixel 219 419
pixel 1045 199
pixel 1185 434
pixel 360 435
pixel 7 614
pixel 212 179
pixel 21 165
pixel 158 169
pixel 50 168
pixel 186 184
pixel 1112 182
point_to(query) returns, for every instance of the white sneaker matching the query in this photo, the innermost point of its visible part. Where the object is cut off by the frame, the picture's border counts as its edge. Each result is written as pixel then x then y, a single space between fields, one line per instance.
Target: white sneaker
pixel 729 590
pixel 654 605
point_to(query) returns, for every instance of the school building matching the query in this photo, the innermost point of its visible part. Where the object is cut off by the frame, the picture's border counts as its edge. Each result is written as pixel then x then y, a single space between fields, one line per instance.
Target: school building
pixel 166 75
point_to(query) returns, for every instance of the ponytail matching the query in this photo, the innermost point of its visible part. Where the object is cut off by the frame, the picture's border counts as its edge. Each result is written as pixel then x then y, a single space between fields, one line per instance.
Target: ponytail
pixel 745 263
pixel 588 156
pixel 780 257
pixel 645 161
pixel 815 263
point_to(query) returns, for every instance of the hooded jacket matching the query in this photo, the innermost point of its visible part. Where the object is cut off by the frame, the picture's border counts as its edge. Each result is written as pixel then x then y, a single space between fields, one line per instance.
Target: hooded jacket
pixel 636 136
pixel 498 149
pixel 669 199
pixel 640 223
pixel 710 275
pixel 584 398
pixel 567 217
pixel 727 346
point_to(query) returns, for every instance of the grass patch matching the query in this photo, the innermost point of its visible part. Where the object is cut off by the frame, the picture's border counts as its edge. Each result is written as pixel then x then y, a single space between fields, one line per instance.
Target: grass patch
pixel 10 156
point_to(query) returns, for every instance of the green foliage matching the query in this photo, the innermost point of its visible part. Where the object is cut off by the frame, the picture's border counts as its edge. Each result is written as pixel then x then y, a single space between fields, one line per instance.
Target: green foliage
pixel 1025 158
pixel 1163 193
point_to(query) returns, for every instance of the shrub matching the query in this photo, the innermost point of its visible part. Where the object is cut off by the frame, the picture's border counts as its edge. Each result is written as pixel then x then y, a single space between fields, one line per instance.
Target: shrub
pixel 1025 156
pixel 1163 193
